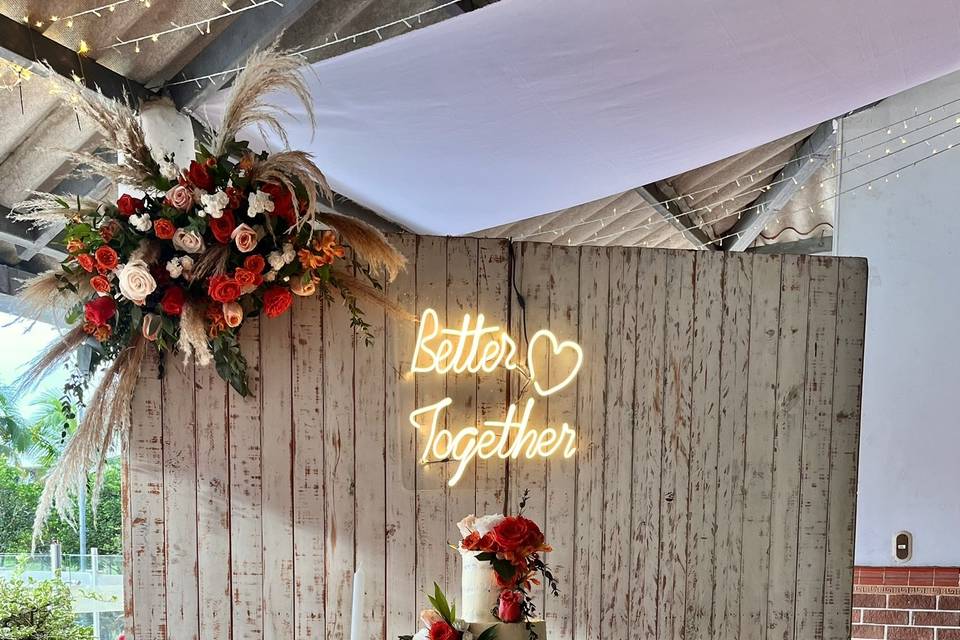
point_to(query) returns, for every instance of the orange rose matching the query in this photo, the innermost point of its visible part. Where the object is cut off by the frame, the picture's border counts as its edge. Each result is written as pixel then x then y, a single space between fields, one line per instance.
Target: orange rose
pixel 254 263
pixel 85 260
pixel 100 284
pixel 223 289
pixel 232 314
pixel 164 229
pixel 248 280
pixel 106 258
pixel 276 300
pixel 74 245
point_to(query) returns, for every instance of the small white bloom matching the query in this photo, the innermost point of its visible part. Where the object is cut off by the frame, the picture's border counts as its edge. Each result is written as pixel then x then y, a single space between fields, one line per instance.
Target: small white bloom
pixel 423 634
pixel 214 203
pixel 486 524
pixel 141 222
pixel 270 276
pixel 187 263
pixel 259 202
pixel 289 253
pixel 174 267
pixel 466 636
pixel 460 625
pixel 275 258
pixel 169 170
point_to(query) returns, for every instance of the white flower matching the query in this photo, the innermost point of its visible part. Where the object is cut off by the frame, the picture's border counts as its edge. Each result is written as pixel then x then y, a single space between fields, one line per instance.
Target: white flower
pixel 141 222
pixel 175 267
pixel 259 202
pixel 486 524
pixel 214 203
pixel 135 281
pixel 188 241
pixel 169 170
pixel 468 525
pixel 275 258
pixel 187 263
pixel 289 253
pixel 460 625
pixel 466 636
pixel 423 634
pixel 270 276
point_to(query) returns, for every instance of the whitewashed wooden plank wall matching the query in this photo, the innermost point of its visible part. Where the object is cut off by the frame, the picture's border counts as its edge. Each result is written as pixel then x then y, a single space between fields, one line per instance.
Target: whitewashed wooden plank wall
pixel 712 494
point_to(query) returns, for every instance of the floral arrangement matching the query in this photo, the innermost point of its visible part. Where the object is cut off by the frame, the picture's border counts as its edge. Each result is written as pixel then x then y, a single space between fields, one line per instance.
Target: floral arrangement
pixel 202 246
pixel 512 545
pixel 441 622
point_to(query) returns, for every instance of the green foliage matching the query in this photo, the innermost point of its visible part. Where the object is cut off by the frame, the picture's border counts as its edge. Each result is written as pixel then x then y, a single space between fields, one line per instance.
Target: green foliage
pixel 30 610
pixel 14 434
pixel 489 634
pixel 439 602
pixel 18 502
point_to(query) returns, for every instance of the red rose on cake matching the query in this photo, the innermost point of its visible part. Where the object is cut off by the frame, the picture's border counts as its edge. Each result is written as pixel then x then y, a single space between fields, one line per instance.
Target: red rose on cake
pixel 510 606
pixel 442 630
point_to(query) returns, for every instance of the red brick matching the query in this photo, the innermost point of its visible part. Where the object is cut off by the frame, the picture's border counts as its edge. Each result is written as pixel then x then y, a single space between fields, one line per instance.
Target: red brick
pixel 937 618
pixel 912 601
pixel 896 577
pixel 948 634
pixel 870 600
pixel 871 575
pixel 857 615
pixel 885 616
pixel 949 603
pixel 922 576
pixel 870 632
pixel 909 633
pixel 946 576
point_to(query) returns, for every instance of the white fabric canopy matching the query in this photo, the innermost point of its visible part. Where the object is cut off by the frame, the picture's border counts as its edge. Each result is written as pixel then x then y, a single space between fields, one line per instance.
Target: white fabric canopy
pixel 530 106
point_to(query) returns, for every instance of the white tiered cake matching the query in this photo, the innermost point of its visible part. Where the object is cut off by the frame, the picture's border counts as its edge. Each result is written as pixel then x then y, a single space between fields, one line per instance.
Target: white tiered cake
pixel 478 598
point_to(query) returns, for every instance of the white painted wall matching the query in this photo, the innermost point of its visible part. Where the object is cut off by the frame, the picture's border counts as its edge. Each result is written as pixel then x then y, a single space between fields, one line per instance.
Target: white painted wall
pixel 909 229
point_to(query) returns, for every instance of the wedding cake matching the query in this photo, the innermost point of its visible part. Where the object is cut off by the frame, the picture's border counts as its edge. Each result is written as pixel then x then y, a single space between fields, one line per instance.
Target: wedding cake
pixel 480 598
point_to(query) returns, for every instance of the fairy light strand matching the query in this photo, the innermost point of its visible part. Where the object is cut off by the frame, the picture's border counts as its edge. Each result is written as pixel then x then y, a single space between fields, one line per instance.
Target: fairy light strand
pixel 203 25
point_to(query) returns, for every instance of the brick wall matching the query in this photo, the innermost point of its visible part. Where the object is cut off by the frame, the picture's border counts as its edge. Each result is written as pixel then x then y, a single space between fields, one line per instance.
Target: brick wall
pixel 906 603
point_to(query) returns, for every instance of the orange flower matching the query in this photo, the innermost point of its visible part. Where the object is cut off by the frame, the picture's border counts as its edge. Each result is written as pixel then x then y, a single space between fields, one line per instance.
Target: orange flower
pixel 311 260
pixel 164 229
pixel 85 260
pixel 106 258
pixel 74 245
pixel 328 245
pixel 217 322
pixel 100 284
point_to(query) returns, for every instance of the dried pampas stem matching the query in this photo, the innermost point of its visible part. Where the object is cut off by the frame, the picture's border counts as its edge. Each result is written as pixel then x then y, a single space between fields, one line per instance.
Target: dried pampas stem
pixel 108 413
pixel 49 209
pixel 285 168
pixel 266 71
pixel 363 291
pixel 43 293
pixel 369 243
pixel 53 356
pixel 193 335
pixel 211 263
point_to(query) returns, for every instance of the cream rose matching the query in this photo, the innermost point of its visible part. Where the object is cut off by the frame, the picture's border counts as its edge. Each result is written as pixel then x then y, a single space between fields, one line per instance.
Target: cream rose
pixel 301 288
pixel 232 314
pixel 188 241
pixel 180 197
pixel 135 281
pixel 245 237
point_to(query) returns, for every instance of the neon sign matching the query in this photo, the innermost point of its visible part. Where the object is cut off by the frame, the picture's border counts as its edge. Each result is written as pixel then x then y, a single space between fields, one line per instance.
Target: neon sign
pixel 478 348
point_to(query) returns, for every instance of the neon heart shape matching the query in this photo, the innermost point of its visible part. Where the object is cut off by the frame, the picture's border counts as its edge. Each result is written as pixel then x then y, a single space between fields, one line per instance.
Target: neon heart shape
pixel 557 347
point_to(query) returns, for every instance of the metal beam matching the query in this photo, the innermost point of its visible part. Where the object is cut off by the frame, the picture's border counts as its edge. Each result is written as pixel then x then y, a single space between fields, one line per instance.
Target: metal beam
pixel 674 212
pixel 811 155
pixel 248 31
pixel 806 246
pixel 24 46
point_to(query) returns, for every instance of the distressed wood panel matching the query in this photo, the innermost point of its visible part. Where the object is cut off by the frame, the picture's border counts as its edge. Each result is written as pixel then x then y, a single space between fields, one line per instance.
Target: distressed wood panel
pixel 711 495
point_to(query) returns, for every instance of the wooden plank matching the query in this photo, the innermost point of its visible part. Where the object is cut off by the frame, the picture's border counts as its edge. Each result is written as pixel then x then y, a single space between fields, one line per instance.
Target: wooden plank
pixel 461 499
pixel 402 598
pixel 648 444
pixel 844 446
pixel 339 479
pixel 246 542
pixel 734 365
pixel 704 445
pixel 126 539
pixel 678 360
pixel 758 470
pixel 815 457
pixel 561 473
pixel 147 529
pixel 788 444
pixel 180 498
pixel 309 522
pixel 533 277
pixel 276 411
pixel 431 274
pixel 493 297
pixel 370 460
pixel 618 443
pixel 593 310
pixel 213 504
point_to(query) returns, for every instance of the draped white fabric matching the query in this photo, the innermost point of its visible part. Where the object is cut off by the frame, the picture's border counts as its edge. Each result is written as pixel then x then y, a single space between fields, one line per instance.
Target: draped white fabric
pixel 529 106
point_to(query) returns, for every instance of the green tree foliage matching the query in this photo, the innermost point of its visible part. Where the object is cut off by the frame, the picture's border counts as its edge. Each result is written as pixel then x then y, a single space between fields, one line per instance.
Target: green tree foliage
pixel 18 501
pixel 30 610
pixel 15 436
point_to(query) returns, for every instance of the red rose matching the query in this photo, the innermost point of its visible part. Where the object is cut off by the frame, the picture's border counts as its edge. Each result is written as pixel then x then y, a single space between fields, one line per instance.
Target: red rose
pixel 106 258
pixel 517 532
pixel 441 630
pixel 276 300
pixel 85 260
pixel 254 263
pixel 223 289
pixel 172 301
pixel 248 280
pixel 235 196
pixel 510 607
pixel 199 176
pixel 164 229
pixel 223 226
pixel 282 203
pixel 128 205
pixel 100 284
pixel 99 310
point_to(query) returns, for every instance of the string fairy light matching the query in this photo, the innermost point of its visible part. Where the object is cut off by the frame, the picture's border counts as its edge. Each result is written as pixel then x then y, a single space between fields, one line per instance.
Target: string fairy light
pixel 407 22
pixel 203 25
